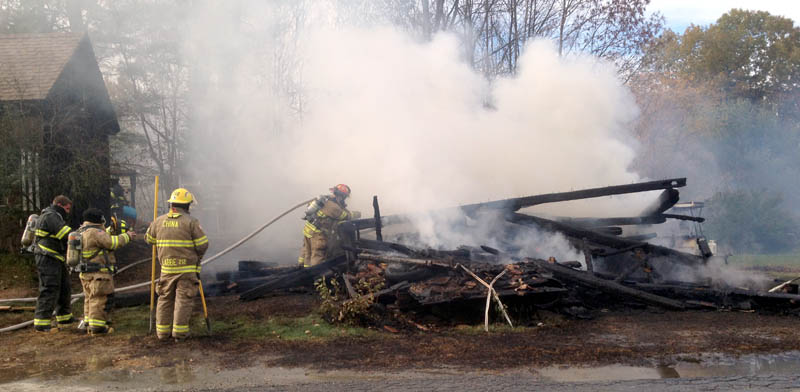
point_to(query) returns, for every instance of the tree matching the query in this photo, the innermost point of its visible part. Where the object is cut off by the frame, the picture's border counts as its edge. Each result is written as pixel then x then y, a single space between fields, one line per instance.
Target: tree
pixel 747 54
pixel 751 222
pixel 494 32
pixel 715 106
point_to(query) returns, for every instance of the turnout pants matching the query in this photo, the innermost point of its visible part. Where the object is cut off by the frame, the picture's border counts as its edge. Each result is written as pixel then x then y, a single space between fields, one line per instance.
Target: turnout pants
pixel 314 251
pixel 99 290
pixel 54 292
pixel 176 294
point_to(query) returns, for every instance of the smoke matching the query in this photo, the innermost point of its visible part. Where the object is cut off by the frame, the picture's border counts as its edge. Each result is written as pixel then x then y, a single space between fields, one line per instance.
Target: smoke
pixel 284 111
pixel 717 272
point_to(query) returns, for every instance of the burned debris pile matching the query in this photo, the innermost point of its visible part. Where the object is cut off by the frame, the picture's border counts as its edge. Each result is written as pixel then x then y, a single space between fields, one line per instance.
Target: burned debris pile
pixel 614 271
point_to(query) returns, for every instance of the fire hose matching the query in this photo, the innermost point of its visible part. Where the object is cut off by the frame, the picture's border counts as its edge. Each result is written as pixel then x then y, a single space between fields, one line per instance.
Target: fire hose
pixel 75 297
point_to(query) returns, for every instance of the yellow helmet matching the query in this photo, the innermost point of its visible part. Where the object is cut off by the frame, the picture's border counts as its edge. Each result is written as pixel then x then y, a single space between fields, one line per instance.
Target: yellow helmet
pixel 181 196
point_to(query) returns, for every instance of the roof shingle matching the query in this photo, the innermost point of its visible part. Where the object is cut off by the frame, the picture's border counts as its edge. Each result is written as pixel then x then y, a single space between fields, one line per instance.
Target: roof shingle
pixel 31 63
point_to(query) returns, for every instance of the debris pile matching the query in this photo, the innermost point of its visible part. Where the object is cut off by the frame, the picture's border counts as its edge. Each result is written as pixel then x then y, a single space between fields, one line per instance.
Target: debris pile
pixel 616 271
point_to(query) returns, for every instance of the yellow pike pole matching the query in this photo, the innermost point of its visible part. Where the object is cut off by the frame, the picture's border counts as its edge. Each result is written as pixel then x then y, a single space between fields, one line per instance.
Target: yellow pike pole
pixel 205 308
pixel 153 267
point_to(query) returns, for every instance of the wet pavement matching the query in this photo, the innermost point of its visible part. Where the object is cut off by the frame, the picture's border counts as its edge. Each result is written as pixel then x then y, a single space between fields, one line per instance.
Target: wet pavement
pixel 693 372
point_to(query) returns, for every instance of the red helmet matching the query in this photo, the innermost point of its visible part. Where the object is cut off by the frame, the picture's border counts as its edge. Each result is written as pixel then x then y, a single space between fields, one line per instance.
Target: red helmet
pixel 341 189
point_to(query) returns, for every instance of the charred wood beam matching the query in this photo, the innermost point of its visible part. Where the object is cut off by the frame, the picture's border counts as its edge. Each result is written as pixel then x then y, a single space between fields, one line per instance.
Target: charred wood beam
pixel 641 237
pixel 665 201
pixel 395 287
pixel 608 230
pixel 730 297
pixel 350 290
pixel 296 278
pixel 528 201
pixel 624 221
pixel 406 260
pixel 561 272
pixel 610 241
pixel 587 256
pixel 385 246
pixel 684 217
pixel 451 297
pixel 639 263
pixel 515 204
pixel 365 244
pixel 620 251
pixel 377 217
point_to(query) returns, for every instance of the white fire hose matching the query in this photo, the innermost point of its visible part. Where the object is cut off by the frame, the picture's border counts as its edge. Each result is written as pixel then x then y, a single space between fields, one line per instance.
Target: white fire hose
pixel 75 297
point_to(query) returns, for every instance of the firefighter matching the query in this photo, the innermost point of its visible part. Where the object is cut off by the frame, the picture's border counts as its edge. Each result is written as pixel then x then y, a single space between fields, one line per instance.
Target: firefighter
pixel 49 252
pixel 180 244
pixel 117 197
pixel 321 217
pixel 97 269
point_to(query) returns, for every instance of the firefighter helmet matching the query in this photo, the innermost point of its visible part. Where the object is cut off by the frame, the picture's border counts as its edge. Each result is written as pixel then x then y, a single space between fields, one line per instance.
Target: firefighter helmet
pixel 180 196
pixel 341 189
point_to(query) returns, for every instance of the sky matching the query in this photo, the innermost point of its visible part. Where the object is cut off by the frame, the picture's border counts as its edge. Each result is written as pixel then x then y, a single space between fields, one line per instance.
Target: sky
pixel 680 14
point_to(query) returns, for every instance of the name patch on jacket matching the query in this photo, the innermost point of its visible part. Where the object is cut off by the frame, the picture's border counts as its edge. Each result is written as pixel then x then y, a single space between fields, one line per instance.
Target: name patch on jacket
pixel 173 262
pixel 171 223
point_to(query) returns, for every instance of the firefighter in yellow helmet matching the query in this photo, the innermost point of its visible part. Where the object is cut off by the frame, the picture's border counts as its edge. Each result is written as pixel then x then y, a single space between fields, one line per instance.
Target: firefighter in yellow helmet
pixel 180 244
pixel 322 215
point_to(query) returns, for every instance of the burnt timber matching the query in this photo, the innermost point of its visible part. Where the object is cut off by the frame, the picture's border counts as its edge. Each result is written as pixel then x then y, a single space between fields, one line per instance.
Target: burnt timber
pixel 444 276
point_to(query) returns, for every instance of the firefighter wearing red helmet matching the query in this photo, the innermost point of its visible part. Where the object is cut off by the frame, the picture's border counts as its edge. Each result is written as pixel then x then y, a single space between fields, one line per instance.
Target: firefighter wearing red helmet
pixel 322 216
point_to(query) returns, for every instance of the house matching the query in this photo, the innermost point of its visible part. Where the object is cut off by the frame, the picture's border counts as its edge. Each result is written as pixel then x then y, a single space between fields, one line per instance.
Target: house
pixel 55 117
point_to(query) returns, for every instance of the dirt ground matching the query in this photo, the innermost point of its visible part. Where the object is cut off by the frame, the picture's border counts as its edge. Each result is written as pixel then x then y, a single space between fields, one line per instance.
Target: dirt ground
pixel 641 337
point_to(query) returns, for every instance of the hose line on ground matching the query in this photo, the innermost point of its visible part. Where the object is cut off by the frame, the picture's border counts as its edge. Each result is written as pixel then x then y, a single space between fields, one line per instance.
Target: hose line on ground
pixel 75 297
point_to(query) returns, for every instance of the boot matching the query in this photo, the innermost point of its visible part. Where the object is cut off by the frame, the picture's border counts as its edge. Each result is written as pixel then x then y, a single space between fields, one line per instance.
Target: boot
pixel 82 325
pixel 104 330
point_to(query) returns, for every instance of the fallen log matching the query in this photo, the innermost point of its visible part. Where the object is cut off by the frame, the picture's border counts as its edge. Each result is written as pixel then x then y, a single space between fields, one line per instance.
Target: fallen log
pixel 611 287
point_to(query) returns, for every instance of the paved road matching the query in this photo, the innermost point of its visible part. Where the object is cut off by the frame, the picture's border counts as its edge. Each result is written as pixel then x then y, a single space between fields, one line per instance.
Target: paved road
pixel 516 384
pixel 187 377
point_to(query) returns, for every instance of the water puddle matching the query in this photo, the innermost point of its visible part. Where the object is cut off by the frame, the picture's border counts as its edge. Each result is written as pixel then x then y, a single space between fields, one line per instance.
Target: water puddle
pixel 702 366
pixel 100 373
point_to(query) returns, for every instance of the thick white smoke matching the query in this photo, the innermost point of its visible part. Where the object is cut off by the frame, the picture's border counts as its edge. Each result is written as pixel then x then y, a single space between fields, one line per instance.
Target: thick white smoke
pixel 408 121
pixel 413 124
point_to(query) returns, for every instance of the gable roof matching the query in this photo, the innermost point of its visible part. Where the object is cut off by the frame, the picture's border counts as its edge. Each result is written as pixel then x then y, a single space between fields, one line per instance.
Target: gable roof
pixel 31 63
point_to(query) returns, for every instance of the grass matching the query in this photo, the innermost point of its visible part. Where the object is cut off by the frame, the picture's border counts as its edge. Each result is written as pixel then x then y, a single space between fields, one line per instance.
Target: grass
pixel 309 327
pixel 766 260
pixel 134 321
pixel 494 327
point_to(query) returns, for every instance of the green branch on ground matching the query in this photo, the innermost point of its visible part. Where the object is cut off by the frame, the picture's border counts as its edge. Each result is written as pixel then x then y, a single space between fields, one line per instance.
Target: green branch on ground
pixel 336 309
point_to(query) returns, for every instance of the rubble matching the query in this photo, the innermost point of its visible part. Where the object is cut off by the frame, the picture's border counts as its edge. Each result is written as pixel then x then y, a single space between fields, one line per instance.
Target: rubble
pixel 616 271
